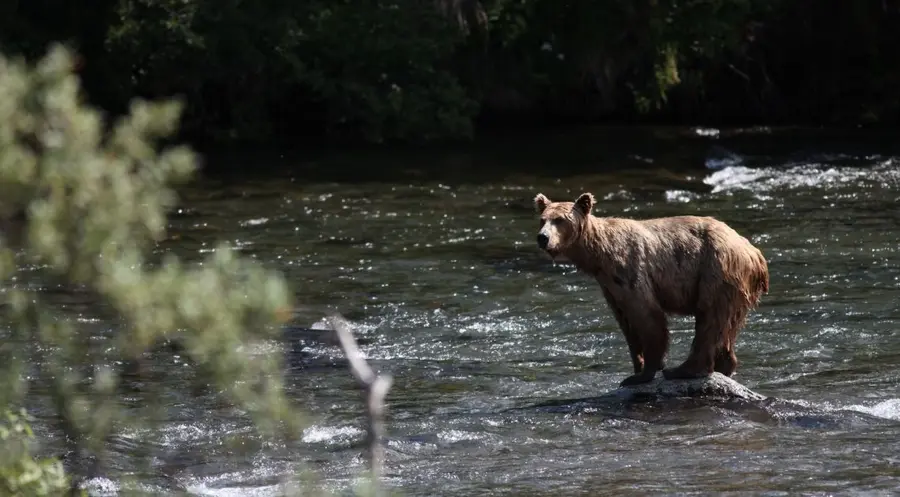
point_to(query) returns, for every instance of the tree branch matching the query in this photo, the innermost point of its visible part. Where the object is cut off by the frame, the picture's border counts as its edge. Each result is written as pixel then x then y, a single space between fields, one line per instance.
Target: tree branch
pixel 375 387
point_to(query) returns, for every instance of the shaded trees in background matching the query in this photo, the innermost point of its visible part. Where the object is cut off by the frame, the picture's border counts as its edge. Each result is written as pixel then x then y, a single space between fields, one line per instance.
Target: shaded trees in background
pixel 425 69
pixel 370 70
pixel 615 59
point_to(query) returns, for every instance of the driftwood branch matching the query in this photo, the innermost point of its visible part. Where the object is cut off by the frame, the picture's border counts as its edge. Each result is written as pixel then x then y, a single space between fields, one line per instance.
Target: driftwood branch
pixel 375 388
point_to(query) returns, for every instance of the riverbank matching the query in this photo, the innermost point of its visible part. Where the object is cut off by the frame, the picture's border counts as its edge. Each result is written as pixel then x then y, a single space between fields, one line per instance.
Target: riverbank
pixel 561 149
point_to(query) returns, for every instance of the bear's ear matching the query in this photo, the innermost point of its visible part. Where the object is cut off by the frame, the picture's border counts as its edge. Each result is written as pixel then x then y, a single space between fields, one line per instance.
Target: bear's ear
pixel 584 203
pixel 541 202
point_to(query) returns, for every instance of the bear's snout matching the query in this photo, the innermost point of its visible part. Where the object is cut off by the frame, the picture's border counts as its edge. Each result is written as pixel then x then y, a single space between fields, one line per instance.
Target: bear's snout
pixel 543 240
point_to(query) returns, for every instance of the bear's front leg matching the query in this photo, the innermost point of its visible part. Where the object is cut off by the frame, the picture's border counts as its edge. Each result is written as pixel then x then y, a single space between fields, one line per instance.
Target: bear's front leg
pixel 632 338
pixel 651 328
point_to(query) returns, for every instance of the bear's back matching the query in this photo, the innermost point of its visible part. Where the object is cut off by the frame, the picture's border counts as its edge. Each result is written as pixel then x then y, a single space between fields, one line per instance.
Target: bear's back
pixel 670 256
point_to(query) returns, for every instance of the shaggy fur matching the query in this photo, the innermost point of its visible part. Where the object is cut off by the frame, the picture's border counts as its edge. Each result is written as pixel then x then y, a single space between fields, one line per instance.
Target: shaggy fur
pixel 683 265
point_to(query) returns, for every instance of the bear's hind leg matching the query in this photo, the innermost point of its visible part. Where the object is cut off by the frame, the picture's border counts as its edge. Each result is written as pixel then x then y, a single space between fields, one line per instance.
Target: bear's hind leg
pixel 651 328
pixel 726 361
pixel 717 324
pixel 701 359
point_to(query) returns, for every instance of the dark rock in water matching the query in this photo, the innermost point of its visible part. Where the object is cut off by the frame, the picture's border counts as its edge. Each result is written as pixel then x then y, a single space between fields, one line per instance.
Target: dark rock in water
pixel 715 386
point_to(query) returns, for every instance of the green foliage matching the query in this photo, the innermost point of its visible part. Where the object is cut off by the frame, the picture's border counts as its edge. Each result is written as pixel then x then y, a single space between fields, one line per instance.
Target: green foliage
pixel 375 67
pixel 20 472
pixel 225 58
pixel 377 64
pixel 614 45
pixel 419 70
pixel 94 202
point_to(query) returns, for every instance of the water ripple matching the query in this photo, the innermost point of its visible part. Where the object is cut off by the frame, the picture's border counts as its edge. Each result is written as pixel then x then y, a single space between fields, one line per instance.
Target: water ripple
pixel 500 357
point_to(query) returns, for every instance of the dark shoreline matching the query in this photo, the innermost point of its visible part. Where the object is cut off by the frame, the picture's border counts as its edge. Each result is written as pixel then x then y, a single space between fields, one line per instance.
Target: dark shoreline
pixel 569 148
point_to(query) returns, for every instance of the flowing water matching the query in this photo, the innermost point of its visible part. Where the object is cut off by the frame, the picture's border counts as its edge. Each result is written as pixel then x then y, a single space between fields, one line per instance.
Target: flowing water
pixel 500 357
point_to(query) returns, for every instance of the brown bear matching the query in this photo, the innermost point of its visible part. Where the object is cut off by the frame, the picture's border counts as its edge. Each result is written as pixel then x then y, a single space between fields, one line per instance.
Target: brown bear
pixel 682 265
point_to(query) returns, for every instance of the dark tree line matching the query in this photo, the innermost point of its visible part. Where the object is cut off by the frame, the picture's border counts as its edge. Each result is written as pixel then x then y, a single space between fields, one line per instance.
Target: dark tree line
pixel 416 70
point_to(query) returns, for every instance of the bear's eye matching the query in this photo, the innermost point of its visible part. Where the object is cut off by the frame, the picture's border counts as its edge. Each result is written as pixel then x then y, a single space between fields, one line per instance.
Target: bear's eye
pixel 557 220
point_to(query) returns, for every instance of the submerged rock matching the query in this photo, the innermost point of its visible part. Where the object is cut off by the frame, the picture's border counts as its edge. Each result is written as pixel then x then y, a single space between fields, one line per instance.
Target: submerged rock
pixel 715 386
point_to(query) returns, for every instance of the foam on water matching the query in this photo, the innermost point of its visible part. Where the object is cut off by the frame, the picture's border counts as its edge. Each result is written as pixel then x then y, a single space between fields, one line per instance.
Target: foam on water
pixel 887 409
pixel 319 434
pixel 805 176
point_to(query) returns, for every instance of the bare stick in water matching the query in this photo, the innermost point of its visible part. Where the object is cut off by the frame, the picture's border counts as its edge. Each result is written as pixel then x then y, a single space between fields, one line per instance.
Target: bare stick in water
pixel 375 387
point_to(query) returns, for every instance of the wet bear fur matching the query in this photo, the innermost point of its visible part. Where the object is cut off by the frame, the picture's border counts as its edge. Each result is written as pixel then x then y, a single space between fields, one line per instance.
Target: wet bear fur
pixel 648 269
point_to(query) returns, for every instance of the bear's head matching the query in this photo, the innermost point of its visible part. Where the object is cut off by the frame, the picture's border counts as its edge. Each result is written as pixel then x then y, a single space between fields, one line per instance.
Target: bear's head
pixel 561 222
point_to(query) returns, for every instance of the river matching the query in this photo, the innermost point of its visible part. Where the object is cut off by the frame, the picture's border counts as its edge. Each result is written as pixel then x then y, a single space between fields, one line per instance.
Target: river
pixel 500 357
